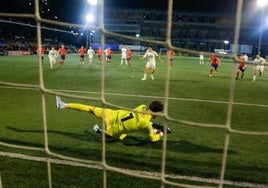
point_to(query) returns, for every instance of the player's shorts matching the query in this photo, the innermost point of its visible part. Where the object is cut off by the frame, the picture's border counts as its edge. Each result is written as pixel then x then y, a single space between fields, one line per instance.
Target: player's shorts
pixel 52 60
pixel 109 57
pixel 82 56
pixel 171 59
pixel 242 69
pixel 90 56
pixel 62 57
pixel 129 59
pixel 123 56
pixel 260 68
pixel 215 65
pixel 150 64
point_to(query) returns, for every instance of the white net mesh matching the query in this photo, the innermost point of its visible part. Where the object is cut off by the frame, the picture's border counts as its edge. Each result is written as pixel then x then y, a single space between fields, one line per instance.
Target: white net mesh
pixel 166 179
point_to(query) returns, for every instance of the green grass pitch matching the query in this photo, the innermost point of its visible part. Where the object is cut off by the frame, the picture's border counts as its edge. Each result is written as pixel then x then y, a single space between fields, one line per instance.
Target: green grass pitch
pixel 191 151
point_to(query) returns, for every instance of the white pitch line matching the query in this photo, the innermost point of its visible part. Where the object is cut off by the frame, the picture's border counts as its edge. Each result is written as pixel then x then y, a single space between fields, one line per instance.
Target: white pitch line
pixel 146 96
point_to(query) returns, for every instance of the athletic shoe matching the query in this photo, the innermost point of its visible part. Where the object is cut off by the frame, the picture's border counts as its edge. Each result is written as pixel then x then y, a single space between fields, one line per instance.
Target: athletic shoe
pixel 152 76
pixel 97 129
pixel 60 105
pixel 143 79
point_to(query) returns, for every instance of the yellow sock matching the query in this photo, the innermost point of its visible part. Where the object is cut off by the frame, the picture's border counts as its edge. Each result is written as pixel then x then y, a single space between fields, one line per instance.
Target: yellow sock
pixel 80 107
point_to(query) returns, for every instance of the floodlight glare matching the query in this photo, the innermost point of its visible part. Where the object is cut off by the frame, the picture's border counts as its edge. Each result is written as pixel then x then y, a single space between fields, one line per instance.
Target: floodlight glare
pixel 90 18
pixel 262 3
pixel 92 2
pixel 226 42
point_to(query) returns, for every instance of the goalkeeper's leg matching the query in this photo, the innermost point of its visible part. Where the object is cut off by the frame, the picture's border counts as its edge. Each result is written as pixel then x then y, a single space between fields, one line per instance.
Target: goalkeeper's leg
pixel 98 112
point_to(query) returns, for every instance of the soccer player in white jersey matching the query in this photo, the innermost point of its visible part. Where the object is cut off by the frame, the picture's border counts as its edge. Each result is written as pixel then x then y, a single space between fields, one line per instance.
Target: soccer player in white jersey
pixel 52 55
pixel 201 58
pixel 150 55
pixel 90 53
pixel 258 66
pixel 123 55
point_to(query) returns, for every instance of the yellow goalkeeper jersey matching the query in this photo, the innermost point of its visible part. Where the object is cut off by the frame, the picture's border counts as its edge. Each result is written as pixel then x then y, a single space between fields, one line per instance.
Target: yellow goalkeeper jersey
pixel 119 123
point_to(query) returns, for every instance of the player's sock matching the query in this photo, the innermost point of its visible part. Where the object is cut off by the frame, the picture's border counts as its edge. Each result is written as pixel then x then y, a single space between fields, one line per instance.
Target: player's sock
pixel 144 77
pixel 97 129
pixel 60 105
pixel 254 77
pixel 237 74
pixel 152 76
pixel 122 136
pixel 210 72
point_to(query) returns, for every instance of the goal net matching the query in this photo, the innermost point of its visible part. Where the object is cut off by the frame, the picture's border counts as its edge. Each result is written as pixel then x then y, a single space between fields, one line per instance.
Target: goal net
pixel 67 155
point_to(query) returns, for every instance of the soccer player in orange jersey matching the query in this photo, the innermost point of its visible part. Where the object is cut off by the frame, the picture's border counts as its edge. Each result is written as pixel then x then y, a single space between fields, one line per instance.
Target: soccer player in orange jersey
pixel 241 67
pixel 170 55
pixel 62 52
pixel 129 56
pixel 215 62
pixel 99 54
pixel 82 52
pixel 40 52
pixel 108 53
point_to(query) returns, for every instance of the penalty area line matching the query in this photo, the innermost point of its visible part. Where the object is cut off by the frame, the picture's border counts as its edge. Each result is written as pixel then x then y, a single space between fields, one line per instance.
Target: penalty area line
pixel 146 96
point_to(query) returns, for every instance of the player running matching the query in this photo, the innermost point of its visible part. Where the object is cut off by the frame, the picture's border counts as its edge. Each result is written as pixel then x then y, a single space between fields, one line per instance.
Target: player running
pixel 62 51
pixel 52 55
pixel 40 52
pixel 201 58
pixel 150 55
pixel 258 66
pixel 82 52
pixel 170 56
pixel 90 53
pixel 215 62
pixel 99 54
pixel 108 54
pixel 123 55
pixel 120 123
pixel 242 67
pixel 129 56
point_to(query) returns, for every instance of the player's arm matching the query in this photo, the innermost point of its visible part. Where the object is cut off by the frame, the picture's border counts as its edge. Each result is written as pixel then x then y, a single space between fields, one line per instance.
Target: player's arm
pixel 152 134
pixel 160 59
pixel 143 57
pixel 219 61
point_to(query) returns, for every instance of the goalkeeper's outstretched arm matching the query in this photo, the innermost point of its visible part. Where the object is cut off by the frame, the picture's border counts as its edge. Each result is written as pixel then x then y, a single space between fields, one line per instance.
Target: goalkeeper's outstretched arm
pixel 160 127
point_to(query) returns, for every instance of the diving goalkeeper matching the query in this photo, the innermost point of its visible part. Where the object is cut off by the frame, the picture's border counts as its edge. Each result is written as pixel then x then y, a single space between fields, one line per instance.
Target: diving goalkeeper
pixel 119 123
